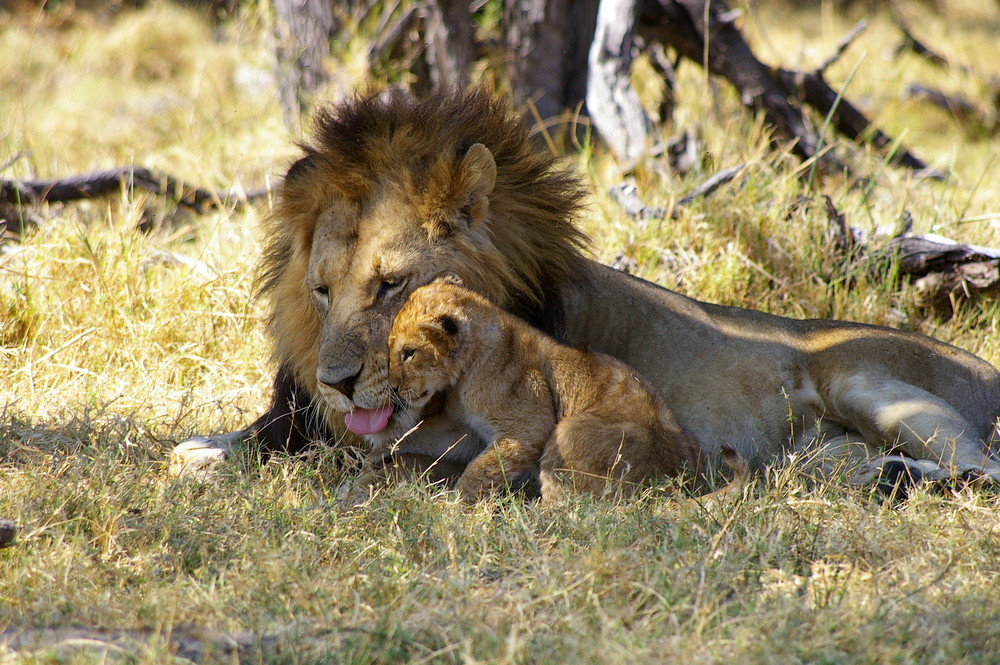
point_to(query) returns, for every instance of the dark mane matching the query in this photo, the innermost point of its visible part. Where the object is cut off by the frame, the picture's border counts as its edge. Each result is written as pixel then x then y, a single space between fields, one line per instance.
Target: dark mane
pixel 528 243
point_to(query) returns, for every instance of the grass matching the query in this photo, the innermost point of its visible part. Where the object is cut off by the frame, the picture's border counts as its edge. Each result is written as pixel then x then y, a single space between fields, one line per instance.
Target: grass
pixel 112 350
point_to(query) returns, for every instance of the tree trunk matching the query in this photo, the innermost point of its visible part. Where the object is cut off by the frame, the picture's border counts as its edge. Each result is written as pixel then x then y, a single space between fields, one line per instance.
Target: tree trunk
pixel 547 46
pixel 303 29
pixel 611 100
pixel 450 42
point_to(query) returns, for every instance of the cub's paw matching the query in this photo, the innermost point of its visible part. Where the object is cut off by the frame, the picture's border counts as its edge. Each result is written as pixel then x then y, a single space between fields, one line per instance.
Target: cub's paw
pixel 199 457
pixel 357 492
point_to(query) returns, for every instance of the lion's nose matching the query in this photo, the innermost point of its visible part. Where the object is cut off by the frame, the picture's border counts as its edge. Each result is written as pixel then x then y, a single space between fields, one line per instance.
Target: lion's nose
pixel 342 381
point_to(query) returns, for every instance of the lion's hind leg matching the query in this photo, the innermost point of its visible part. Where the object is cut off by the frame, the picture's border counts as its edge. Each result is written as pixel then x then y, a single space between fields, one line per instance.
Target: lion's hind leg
pixel 907 419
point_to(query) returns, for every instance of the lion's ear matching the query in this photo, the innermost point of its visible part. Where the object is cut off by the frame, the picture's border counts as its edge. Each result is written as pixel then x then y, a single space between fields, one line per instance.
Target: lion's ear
pixel 477 174
pixel 300 168
pixel 441 332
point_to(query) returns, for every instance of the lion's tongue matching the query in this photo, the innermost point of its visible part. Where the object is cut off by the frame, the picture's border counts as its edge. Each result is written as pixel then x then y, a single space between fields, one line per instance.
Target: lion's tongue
pixel 368 421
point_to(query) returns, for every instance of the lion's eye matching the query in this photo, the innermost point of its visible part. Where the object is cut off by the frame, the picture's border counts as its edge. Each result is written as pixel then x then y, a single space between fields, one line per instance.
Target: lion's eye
pixel 389 286
pixel 322 294
pixel 406 353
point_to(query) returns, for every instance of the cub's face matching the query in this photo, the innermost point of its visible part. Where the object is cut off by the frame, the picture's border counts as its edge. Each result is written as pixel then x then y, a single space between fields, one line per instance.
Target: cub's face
pixel 416 370
pixel 422 344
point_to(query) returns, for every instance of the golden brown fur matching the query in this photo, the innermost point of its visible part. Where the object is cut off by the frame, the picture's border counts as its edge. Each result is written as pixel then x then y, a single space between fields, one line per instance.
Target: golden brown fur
pixel 587 420
pixel 393 192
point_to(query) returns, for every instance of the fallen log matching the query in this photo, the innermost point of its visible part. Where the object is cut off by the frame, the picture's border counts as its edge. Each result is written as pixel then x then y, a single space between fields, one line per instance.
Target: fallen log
pixel 8 533
pixel 96 184
pixel 943 271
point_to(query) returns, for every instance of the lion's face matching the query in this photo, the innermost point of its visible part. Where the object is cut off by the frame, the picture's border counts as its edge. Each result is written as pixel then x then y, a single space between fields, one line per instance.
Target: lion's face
pixel 366 259
pixel 390 193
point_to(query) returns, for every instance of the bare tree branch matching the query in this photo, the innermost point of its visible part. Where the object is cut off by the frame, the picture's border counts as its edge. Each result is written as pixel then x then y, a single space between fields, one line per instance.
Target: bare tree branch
pixel 855 32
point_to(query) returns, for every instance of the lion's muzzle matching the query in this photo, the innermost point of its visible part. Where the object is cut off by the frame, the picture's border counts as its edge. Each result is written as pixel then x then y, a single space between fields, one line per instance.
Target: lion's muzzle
pixel 339 378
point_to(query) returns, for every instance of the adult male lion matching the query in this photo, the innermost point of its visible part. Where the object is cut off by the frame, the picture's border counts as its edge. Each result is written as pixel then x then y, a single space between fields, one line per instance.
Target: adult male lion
pixel 393 192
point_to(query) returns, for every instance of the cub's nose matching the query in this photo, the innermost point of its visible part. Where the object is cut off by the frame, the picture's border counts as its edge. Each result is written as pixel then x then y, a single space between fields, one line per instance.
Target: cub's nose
pixel 340 379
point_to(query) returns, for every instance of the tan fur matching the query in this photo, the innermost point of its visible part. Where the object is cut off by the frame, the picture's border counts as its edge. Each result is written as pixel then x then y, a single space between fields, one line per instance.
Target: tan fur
pixel 394 192
pixel 587 420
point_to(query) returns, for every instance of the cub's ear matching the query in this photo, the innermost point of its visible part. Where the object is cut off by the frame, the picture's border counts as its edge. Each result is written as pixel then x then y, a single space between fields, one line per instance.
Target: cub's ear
pixel 442 333
pixel 477 174
pixel 450 278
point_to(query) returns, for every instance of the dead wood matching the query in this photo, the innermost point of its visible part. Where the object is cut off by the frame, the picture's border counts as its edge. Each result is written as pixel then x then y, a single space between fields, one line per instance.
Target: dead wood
pixel 943 271
pixel 400 39
pixel 962 109
pixel 811 88
pixel 97 184
pixel 627 196
pixel 913 45
pixel 612 102
pixel 706 33
pixel 8 532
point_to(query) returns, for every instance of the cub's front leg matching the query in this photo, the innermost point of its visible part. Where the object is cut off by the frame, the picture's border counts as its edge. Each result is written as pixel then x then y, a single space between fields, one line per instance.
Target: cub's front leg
pixel 387 469
pixel 437 451
pixel 497 466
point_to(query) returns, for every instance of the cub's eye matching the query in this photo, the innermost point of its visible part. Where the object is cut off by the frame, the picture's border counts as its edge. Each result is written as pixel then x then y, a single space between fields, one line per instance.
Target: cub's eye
pixel 406 353
pixel 389 286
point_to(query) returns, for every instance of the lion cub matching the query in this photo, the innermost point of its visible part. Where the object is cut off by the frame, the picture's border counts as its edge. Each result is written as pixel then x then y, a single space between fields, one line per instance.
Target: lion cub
pixel 586 419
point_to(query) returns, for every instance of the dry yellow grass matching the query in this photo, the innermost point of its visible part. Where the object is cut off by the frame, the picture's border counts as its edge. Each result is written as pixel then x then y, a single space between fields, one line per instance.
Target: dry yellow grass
pixel 112 350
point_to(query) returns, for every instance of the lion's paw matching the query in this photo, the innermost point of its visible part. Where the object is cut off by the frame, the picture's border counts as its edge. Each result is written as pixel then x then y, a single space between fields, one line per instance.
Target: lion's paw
pixel 893 476
pixel 199 458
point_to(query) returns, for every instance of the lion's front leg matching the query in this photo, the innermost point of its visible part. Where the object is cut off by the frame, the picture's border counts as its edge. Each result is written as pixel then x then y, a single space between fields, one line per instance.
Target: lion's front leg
pixel 201 457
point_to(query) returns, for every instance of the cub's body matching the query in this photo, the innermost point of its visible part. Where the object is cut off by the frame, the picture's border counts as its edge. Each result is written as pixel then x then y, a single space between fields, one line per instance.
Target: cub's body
pixel 587 420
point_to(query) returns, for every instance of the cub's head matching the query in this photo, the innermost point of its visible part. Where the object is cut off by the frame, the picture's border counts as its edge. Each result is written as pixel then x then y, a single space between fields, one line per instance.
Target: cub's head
pixel 428 343
pixel 390 193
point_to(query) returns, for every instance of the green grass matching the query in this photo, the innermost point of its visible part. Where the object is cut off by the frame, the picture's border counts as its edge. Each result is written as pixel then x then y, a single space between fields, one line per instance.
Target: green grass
pixel 111 351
